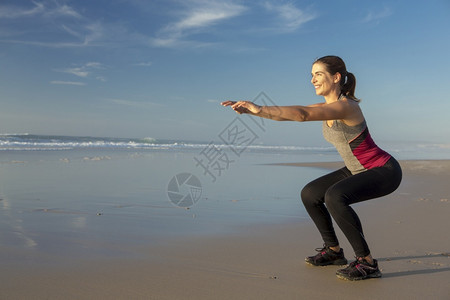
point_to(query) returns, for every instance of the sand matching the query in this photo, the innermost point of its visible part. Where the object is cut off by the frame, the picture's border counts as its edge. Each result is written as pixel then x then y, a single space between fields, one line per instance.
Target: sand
pixel 408 232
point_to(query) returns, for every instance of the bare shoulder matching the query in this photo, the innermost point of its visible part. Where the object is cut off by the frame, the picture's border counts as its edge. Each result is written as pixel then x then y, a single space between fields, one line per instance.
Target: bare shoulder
pixel 355 115
pixel 351 101
pixel 317 104
pixel 349 104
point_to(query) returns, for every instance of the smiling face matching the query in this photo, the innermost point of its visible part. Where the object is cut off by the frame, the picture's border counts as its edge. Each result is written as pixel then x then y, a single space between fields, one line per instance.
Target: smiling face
pixel 325 84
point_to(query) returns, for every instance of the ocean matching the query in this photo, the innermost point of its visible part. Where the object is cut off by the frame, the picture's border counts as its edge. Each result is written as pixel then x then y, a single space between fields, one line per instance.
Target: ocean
pixel 86 196
pixel 32 142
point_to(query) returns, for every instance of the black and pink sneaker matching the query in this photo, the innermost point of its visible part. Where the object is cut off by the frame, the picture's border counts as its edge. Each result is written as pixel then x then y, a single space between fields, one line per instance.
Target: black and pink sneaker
pixel 359 269
pixel 326 257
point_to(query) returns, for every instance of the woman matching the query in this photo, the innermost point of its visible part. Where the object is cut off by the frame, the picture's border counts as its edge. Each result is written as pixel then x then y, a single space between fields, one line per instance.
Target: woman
pixel 369 171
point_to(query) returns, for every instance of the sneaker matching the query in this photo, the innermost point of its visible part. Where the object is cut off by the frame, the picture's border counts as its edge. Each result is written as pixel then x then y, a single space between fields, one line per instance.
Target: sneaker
pixel 347 269
pixel 326 257
pixel 359 269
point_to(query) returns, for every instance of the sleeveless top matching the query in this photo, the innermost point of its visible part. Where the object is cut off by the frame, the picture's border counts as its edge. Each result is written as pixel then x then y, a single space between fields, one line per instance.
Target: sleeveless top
pixel 355 145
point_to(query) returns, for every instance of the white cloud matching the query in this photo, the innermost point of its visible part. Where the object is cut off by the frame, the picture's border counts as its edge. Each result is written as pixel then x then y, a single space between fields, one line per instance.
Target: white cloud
pixel 199 16
pixel 72 32
pixel 86 34
pixel 144 64
pixel 95 31
pixel 207 14
pixel 67 82
pixel 86 70
pixel 68 28
pixel 80 72
pixel 178 43
pixel 64 10
pixel 12 12
pixel 134 104
pixel 95 65
pixel 56 18
pixel 290 18
pixel 47 44
pixel 101 78
pixel 204 16
pixel 374 16
pixel 53 9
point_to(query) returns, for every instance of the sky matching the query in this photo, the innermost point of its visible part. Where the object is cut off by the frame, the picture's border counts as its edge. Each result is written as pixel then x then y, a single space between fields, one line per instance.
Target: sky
pixel 135 68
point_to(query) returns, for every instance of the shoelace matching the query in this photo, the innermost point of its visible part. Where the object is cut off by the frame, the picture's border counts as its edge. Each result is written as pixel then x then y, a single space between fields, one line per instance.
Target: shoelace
pixel 321 251
pixel 353 264
pixel 361 262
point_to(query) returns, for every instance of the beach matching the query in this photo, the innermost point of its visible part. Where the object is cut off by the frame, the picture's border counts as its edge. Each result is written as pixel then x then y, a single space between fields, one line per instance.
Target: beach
pixel 114 244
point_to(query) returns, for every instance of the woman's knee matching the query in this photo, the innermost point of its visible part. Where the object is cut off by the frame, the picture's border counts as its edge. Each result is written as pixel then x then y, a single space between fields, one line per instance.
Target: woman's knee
pixel 335 200
pixel 310 195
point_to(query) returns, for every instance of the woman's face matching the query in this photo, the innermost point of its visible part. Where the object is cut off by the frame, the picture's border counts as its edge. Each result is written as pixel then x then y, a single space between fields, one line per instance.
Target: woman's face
pixel 323 81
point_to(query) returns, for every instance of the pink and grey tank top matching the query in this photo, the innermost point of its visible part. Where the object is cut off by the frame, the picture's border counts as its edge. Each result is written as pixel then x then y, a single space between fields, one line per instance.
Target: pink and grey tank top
pixel 355 145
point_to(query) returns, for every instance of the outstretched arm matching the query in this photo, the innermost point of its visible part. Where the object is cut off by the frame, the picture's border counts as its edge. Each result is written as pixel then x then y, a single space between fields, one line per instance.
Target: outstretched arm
pixel 247 107
pixel 334 111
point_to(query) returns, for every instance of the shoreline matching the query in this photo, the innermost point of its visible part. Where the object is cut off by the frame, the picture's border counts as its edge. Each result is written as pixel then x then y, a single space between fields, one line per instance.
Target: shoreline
pixel 408 164
pixel 406 231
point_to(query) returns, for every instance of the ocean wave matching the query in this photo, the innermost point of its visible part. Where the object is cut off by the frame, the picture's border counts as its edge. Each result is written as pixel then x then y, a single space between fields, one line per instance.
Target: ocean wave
pixel 30 142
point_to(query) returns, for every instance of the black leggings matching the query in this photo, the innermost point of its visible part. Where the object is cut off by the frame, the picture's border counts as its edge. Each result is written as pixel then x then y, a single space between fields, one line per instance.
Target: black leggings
pixel 332 194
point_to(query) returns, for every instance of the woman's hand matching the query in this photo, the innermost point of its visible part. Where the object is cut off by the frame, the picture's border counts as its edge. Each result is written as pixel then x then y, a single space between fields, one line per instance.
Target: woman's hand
pixel 243 107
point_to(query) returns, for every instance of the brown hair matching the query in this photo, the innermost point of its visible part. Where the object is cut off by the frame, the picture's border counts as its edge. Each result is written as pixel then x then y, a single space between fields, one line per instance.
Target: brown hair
pixel 335 64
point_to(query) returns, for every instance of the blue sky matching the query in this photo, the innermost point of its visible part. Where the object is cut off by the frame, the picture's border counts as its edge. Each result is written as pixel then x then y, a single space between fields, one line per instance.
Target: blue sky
pixel 135 68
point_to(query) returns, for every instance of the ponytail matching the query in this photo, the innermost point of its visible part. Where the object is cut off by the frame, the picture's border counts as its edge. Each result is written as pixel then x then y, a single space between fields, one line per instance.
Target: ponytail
pixel 348 85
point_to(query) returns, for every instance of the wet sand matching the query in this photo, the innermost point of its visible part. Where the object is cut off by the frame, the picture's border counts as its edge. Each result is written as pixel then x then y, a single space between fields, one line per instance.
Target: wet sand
pixel 407 232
